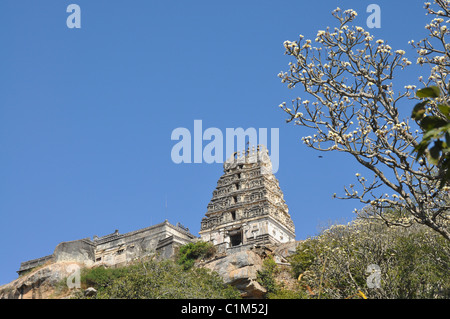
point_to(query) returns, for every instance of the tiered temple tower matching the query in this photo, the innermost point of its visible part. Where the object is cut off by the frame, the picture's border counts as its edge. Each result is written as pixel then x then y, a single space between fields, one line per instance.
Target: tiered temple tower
pixel 247 206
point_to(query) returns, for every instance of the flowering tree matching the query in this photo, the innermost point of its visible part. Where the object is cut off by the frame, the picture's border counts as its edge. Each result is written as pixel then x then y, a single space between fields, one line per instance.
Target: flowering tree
pixel 437 130
pixel 436 125
pixel 353 109
pixel 340 262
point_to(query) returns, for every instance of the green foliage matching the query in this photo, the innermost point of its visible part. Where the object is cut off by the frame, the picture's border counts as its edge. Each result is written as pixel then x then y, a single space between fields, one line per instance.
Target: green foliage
pixel 432 91
pixel 266 276
pixel 157 280
pixel 421 267
pixel 414 262
pixel 283 293
pixel 436 129
pixel 101 277
pixel 303 258
pixel 189 253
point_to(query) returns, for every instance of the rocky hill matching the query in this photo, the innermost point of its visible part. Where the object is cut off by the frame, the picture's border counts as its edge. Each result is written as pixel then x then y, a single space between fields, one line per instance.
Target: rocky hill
pixel 238 267
pixel 40 283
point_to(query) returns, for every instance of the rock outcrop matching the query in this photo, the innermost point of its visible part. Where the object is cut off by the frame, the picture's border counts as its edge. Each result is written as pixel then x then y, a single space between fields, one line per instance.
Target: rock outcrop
pixel 238 268
pixel 41 283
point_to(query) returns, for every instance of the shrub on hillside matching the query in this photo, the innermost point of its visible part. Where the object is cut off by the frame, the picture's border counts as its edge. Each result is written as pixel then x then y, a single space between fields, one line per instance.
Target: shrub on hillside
pixel 158 280
pixel 413 262
pixel 189 253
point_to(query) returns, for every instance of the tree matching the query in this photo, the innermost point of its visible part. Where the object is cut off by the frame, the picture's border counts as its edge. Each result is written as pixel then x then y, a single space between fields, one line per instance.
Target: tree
pixel 434 112
pixel 412 262
pixel 266 276
pixel 435 128
pixel 350 76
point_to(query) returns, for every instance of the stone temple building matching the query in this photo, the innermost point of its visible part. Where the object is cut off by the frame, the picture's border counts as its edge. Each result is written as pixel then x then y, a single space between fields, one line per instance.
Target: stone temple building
pixel 117 249
pixel 247 207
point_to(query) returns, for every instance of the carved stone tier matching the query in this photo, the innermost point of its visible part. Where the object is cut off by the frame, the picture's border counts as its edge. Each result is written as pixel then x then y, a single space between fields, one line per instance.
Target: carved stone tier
pixel 247 205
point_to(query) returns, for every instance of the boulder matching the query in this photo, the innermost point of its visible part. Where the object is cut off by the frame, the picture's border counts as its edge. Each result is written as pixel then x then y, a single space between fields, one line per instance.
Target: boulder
pixel 90 292
pixel 81 251
pixel 283 251
pixel 239 270
pixel 41 283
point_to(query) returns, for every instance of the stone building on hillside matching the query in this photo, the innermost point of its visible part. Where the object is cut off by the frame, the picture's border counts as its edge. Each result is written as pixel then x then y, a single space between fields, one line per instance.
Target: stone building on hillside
pixel 116 249
pixel 247 207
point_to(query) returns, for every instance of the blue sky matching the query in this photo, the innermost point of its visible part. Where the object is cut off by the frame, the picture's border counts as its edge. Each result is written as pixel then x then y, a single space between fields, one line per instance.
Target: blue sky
pixel 86 115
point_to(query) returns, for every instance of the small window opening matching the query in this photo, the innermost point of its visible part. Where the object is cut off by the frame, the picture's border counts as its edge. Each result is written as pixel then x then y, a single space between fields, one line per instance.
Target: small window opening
pixel 236 239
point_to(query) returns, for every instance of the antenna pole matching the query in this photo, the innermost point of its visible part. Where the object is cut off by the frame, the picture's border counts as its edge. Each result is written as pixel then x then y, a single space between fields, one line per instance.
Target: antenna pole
pixel 165 211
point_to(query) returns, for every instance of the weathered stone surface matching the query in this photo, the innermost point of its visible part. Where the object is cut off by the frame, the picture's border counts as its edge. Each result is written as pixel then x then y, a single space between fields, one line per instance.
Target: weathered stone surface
pixel 30 264
pixel 90 292
pixel 82 251
pixel 247 206
pixel 283 251
pixel 38 284
pixel 118 249
pixel 239 270
pixel 247 220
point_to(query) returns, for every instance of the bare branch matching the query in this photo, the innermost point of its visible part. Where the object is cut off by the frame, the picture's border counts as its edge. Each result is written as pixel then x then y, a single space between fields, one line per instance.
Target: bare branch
pixel 353 109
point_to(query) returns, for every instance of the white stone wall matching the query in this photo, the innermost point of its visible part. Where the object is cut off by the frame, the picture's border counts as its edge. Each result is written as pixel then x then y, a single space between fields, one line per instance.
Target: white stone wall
pixel 252 230
pixel 127 247
pixel 278 233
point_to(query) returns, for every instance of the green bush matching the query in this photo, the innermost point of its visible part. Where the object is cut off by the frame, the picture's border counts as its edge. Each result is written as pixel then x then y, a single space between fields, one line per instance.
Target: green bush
pixel 414 262
pixel 158 280
pixel 189 253
pixel 266 276
pixel 101 277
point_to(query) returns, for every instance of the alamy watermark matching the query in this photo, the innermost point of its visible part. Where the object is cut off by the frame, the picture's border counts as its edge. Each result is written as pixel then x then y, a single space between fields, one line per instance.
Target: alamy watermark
pixel 74 19
pixel 374 279
pixel 190 148
pixel 74 279
pixel 374 19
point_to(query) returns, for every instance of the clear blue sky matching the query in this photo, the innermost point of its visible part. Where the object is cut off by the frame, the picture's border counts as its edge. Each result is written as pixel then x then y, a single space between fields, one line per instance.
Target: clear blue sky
pixel 86 114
